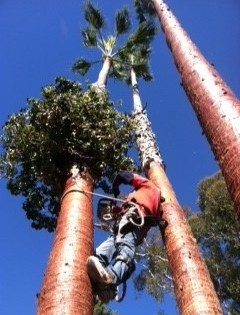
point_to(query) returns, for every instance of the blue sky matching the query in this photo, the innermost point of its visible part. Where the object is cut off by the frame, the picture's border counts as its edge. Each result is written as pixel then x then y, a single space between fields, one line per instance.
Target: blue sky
pixel 39 41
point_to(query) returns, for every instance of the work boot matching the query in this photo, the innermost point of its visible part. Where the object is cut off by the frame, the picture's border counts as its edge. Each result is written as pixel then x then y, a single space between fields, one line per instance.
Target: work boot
pixel 97 272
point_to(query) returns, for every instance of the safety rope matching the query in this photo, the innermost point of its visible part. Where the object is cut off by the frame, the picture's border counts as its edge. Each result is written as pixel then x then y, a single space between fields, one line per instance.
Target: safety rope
pixel 119 298
pixel 130 212
pixel 91 193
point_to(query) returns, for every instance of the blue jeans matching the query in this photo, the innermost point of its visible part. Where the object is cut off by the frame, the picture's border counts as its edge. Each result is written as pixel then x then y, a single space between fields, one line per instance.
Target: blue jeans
pixel 122 245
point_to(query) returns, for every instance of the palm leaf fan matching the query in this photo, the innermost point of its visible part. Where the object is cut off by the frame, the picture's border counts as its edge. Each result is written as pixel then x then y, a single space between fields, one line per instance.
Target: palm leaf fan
pixel 122 21
pixel 81 66
pixel 93 16
pixel 89 37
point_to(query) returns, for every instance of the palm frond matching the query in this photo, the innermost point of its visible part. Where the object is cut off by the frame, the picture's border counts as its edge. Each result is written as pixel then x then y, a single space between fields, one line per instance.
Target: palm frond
pixel 89 37
pixel 120 77
pixel 81 66
pixel 123 54
pixel 143 35
pixel 139 60
pixel 134 54
pixel 122 21
pixel 140 55
pixel 144 10
pixel 93 16
pixel 120 71
pixel 143 71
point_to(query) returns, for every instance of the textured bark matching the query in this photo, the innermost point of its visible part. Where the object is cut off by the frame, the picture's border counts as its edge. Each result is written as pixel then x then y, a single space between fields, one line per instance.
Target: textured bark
pixel 193 287
pixel 146 140
pixel 66 289
pixel 216 106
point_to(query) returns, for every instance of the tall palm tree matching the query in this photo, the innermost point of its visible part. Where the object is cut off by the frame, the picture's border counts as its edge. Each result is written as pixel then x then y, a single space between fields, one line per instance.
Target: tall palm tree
pixel 93 37
pixel 216 106
pixel 193 287
pixel 42 143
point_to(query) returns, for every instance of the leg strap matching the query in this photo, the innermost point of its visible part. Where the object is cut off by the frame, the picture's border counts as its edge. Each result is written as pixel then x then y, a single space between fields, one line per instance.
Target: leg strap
pixel 130 263
pixel 124 259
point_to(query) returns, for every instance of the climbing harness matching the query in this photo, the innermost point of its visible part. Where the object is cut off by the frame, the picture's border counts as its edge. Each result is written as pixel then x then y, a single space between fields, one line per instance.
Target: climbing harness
pixel 105 209
pixel 134 213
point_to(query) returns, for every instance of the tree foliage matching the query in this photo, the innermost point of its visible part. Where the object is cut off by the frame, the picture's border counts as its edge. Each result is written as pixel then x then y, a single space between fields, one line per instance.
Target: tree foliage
pixel 93 16
pixel 153 274
pixel 218 235
pixel 101 309
pixel 138 60
pixel 43 141
pixel 144 10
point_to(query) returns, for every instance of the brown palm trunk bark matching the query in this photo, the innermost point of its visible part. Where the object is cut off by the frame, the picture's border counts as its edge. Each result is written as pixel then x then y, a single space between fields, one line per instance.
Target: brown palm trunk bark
pixel 216 106
pixel 193 287
pixel 194 291
pixel 66 288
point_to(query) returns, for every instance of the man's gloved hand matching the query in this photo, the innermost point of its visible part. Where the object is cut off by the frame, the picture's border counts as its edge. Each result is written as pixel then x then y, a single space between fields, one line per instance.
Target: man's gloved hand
pixel 115 191
pixel 123 177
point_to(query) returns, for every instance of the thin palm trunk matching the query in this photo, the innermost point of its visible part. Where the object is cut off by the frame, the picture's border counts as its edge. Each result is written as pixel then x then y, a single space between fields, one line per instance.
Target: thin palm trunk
pixel 193 287
pixel 216 106
pixel 146 140
pixel 66 288
pixel 103 74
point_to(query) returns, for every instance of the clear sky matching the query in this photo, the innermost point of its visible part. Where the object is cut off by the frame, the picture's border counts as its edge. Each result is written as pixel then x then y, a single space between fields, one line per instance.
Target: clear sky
pixel 39 41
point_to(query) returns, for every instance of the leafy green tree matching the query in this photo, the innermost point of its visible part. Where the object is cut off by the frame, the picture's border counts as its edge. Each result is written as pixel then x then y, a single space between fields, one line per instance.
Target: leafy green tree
pixel 100 309
pixel 43 141
pixel 218 235
pixel 153 274
pixel 54 151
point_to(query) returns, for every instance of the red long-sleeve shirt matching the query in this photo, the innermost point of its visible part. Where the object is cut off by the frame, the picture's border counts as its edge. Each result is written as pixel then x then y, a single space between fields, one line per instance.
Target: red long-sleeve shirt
pixel 146 194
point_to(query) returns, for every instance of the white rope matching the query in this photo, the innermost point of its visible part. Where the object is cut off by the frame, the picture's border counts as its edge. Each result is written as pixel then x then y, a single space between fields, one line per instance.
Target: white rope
pixel 92 193
pixel 140 213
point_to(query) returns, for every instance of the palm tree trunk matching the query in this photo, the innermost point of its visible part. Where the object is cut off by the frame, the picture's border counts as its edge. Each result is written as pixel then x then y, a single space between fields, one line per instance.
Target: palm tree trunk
pixel 66 288
pixel 146 140
pixel 103 74
pixel 216 106
pixel 193 287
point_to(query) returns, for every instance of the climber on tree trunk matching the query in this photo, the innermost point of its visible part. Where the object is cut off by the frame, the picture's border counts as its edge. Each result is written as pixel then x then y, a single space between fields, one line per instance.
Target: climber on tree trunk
pixel 113 261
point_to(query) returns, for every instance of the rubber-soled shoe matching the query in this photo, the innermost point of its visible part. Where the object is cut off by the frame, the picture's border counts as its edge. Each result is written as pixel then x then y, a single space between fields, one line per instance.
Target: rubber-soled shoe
pixel 97 272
